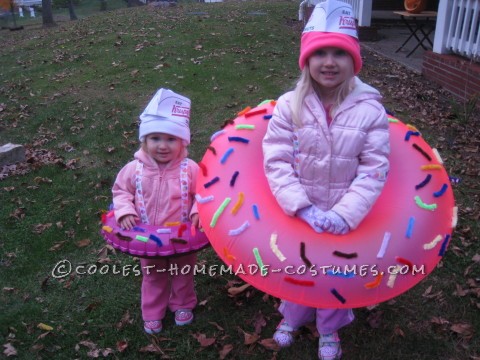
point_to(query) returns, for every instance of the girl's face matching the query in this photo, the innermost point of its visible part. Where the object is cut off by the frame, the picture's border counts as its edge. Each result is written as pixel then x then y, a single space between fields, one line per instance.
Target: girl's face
pixel 330 67
pixel 163 148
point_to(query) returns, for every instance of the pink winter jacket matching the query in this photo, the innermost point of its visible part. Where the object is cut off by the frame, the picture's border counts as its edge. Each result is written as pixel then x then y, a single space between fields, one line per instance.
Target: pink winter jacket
pixel 161 189
pixel 341 167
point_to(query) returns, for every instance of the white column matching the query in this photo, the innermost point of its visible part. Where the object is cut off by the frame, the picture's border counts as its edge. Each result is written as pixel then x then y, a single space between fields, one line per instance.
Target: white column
pixel 441 28
pixel 365 13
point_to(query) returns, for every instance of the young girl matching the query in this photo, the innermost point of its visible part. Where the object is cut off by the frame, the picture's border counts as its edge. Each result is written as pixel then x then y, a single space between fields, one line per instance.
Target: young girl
pixel 326 151
pixel 158 187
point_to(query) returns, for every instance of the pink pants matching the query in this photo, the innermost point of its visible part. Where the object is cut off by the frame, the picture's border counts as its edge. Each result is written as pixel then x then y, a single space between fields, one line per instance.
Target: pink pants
pixel 167 283
pixel 327 320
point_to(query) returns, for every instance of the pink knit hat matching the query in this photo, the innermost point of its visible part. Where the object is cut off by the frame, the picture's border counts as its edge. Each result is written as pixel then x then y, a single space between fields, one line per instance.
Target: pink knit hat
pixel 331 24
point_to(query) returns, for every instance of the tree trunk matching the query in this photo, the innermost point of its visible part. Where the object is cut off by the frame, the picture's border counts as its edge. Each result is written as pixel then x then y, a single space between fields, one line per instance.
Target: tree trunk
pixel 47 15
pixel 71 10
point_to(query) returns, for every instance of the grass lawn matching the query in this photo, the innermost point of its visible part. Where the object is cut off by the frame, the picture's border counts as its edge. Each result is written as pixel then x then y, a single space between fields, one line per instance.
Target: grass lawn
pixel 72 95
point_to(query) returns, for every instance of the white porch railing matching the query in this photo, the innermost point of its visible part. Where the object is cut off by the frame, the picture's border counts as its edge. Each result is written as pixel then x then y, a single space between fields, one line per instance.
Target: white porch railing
pixel 458 28
pixel 361 8
pixel 28 2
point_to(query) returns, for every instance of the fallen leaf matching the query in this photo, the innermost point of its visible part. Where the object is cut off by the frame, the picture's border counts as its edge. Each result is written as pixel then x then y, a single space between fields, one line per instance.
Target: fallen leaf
pixel 269 344
pixel 151 348
pixel 122 345
pixel 203 340
pixel 57 246
pixel 9 350
pixel 225 350
pixel 259 322
pixel 125 320
pixel 216 325
pixel 83 243
pixel 40 228
pixel 464 330
pixel 439 320
pixel 45 327
pixel 250 339
pixel 234 291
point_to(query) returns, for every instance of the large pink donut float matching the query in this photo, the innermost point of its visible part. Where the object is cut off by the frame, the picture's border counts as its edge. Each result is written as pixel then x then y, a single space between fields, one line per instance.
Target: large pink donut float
pixel 149 241
pixel 398 244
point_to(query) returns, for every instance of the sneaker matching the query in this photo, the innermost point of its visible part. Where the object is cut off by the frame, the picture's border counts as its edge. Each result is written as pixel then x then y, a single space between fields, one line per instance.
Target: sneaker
pixel 329 347
pixel 183 317
pixel 284 335
pixel 152 327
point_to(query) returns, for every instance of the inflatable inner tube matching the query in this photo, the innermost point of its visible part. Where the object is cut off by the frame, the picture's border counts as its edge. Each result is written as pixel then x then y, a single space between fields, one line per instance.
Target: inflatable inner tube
pixel 397 245
pixel 149 241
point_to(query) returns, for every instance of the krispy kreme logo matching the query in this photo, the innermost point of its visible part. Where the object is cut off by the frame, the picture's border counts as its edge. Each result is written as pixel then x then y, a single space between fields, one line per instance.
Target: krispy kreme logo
pixel 181 111
pixel 347 22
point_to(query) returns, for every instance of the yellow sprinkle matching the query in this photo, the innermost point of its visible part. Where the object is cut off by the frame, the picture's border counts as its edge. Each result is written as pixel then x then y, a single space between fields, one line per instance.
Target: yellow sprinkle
pixel 454 217
pixel 107 228
pixel 393 277
pixel 275 249
pixel 433 243
pixel 437 156
pixel 412 128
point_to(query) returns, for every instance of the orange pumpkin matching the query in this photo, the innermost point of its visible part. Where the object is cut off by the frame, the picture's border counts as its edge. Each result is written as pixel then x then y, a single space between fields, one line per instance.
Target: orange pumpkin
pixel 415 6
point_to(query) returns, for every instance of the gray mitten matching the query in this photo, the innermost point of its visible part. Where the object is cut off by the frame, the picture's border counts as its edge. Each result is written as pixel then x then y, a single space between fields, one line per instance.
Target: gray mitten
pixel 311 214
pixel 333 223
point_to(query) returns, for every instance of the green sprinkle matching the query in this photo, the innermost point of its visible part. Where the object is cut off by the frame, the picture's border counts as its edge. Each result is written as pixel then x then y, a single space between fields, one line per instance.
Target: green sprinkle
pixel 219 212
pixel 264 102
pixel 263 270
pixel 244 127
pixel 141 238
pixel 423 205
pixel 392 120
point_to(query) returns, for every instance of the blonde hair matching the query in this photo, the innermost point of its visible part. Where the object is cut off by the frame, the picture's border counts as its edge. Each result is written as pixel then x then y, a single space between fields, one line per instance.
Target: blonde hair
pixel 305 85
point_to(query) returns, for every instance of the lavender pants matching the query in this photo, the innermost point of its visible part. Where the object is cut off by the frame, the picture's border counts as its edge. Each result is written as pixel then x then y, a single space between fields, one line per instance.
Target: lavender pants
pixel 165 285
pixel 327 320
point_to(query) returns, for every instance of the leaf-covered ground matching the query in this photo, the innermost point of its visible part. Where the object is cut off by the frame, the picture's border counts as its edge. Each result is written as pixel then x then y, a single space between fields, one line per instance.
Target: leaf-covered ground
pixel 71 96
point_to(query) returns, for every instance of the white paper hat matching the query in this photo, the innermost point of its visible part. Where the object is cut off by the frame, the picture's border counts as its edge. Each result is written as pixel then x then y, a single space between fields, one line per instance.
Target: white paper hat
pixel 332 24
pixel 167 113
pixel 332 16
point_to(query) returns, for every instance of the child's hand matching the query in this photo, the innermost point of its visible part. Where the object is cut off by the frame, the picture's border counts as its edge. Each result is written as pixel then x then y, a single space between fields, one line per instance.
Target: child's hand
pixel 333 223
pixel 196 221
pixel 127 222
pixel 310 215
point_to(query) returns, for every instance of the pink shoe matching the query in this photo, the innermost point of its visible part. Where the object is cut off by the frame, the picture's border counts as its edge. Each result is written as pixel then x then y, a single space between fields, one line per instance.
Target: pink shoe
pixel 152 327
pixel 329 347
pixel 183 317
pixel 284 335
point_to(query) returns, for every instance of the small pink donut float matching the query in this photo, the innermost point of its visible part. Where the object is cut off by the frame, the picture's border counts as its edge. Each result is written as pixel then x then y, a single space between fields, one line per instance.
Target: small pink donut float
pixel 149 241
pixel 397 245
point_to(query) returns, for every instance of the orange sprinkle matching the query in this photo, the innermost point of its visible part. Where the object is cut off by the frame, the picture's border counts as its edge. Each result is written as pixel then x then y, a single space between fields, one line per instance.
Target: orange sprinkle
pixel 374 283
pixel 431 167
pixel 244 111
pixel 228 255
pixel 175 223
pixel 238 204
